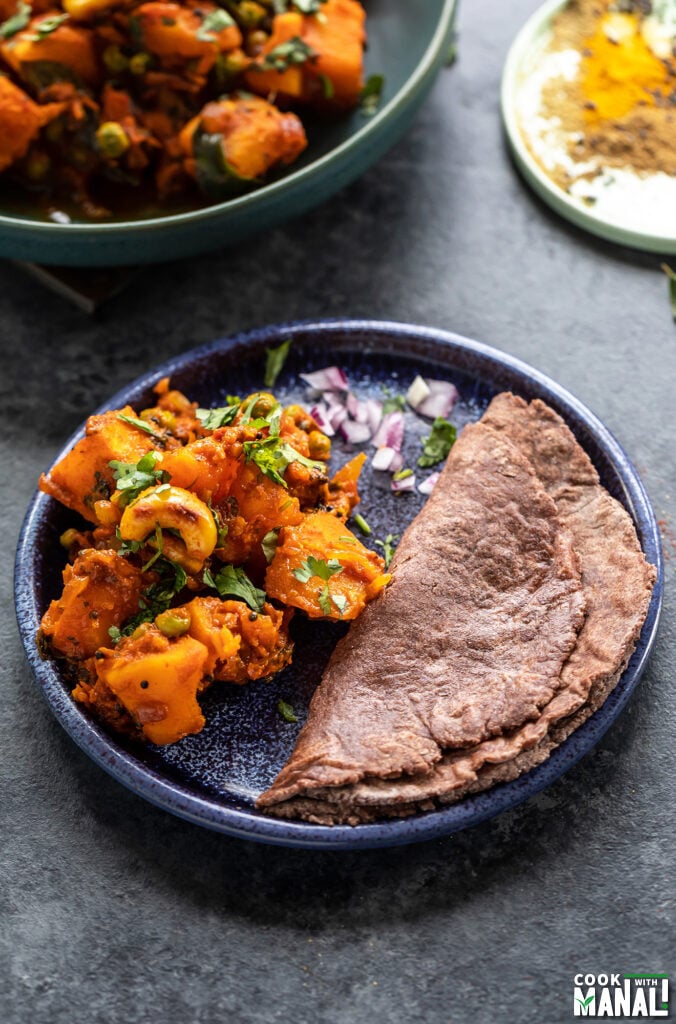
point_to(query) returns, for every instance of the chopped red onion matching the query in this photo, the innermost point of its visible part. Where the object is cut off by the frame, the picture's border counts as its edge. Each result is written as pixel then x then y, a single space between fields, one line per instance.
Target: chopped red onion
pixel 432 398
pixel 418 392
pixel 407 484
pixel 440 401
pixel 427 486
pixel 337 415
pixel 374 410
pixel 390 433
pixel 322 417
pixel 352 404
pixel 331 378
pixel 387 460
pixel 355 433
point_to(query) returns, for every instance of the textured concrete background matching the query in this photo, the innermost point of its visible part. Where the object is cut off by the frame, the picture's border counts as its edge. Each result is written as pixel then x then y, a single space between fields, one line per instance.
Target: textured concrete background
pixel 112 911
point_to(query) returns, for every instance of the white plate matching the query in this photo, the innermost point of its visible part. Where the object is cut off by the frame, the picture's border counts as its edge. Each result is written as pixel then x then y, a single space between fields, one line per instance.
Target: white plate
pixel 532 38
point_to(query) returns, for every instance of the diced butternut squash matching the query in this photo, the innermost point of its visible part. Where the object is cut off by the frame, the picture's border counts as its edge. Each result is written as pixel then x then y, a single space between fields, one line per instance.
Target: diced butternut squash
pixel 253 137
pixel 84 475
pixel 87 10
pixel 183 33
pixel 242 644
pixel 157 680
pixel 69 45
pixel 285 27
pixel 101 590
pixel 338 39
pixel 20 121
pixel 340 494
pixel 352 575
pixel 333 73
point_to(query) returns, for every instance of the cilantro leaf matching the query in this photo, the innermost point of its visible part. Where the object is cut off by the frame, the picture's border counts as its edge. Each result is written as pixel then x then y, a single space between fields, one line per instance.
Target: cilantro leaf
pixel 388 545
pixel 156 598
pixel 134 421
pixel 269 544
pixel 211 419
pixel 317 567
pixel 438 443
pixel 233 582
pixel 19 20
pixel 340 602
pixel 47 26
pixel 671 274
pixel 286 711
pixel 132 478
pixel 394 403
pixel 371 95
pixel 324 598
pixel 213 23
pixel 272 456
pixel 274 362
pixel 286 55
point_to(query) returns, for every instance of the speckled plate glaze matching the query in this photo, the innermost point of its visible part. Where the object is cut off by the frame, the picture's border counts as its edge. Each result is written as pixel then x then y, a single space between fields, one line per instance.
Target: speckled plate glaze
pixel 213 779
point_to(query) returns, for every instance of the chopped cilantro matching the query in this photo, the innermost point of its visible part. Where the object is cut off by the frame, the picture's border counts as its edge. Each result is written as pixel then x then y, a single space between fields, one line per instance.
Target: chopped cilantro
pixel 19 20
pixel 438 443
pixel 211 419
pixel 286 711
pixel 269 544
pixel 286 55
pixel 274 362
pixel 340 602
pixel 156 598
pixel 371 95
pixel 212 24
pixel 141 424
pixel 47 26
pixel 327 87
pixel 272 456
pixel 324 598
pixel 671 274
pixel 133 478
pixel 401 474
pixel 158 550
pixel 317 567
pixel 388 545
pixel 362 524
pixel 233 582
pixel 394 403
pixel 304 6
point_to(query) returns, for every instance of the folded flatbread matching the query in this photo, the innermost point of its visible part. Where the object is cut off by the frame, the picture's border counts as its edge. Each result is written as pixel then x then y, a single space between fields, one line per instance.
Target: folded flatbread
pixel 518 596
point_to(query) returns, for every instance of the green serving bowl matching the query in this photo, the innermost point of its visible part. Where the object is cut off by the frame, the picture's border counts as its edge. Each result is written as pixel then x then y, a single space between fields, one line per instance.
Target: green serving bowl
pixel 408 44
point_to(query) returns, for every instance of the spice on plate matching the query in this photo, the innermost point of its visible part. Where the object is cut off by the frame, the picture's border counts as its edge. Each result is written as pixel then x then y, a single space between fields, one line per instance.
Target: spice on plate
pixel 597 105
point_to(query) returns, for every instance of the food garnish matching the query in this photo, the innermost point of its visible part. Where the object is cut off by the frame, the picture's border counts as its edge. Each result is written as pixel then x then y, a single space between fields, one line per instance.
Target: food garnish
pixel 275 360
pixel 671 275
pixel 438 443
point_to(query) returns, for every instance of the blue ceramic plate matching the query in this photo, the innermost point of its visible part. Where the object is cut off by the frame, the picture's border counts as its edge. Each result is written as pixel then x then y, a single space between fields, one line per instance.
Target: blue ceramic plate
pixel 408 44
pixel 213 778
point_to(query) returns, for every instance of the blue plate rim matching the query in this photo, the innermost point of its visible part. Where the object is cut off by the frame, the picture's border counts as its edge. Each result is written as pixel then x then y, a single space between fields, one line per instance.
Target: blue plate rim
pixel 295 178
pixel 249 824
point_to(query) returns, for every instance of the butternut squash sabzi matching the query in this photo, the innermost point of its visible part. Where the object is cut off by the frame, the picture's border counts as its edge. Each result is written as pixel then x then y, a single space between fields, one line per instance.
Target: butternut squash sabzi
pixel 206 531
pixel 174 102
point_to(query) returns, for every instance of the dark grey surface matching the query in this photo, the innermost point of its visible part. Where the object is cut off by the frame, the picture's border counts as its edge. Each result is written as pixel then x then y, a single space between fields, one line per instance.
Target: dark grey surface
pixel 113 911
